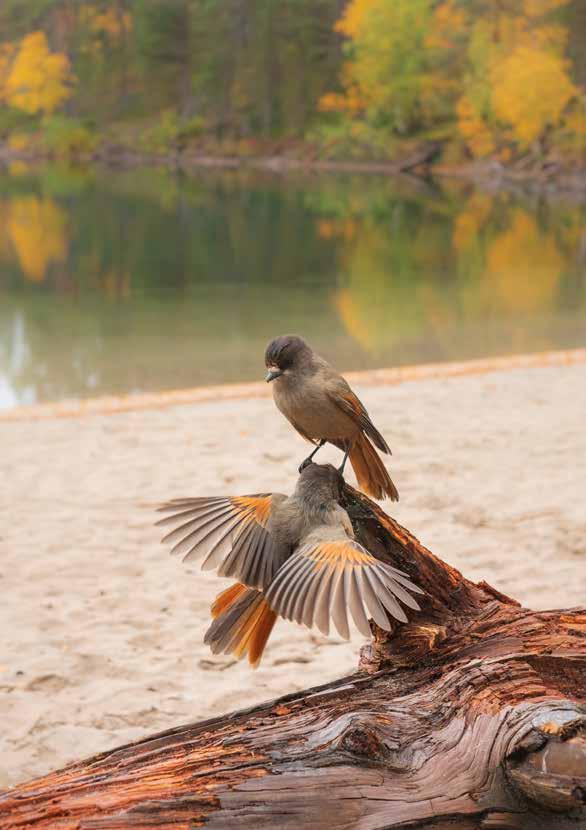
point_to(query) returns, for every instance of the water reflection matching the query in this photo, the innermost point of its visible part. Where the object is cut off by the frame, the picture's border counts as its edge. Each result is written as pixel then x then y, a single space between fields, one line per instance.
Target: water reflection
pixel 119 281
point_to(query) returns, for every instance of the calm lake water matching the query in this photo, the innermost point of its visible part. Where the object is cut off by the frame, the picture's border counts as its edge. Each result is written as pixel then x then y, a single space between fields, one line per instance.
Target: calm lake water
pixel 122 281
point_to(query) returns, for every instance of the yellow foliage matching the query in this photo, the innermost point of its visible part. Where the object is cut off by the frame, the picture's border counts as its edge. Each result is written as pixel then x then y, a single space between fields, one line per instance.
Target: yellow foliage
pixel 38 231
pixel 414 63
pixel 530 91
pixel 38 80
pixel 523 267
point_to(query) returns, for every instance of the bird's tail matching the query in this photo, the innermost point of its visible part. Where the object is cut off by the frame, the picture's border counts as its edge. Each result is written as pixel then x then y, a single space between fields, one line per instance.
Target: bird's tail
pixel 242 623
pixel 370 471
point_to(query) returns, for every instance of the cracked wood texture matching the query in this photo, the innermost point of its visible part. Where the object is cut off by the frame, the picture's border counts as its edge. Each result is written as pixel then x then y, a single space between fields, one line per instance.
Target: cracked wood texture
pixel 472 715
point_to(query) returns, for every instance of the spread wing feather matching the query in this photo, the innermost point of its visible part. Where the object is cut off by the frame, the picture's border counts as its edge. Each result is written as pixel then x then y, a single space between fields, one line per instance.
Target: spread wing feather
pixel 326 580
pixel 229 534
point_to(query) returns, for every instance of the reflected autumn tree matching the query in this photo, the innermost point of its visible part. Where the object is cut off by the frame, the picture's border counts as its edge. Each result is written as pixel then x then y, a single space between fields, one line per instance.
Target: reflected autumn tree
pixel 188 277
pixel 417 275
pixel 37 228
pixel 524 266
pixel 155 262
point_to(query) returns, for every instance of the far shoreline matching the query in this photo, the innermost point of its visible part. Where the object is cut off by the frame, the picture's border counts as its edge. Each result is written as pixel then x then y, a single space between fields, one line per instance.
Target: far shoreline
pixel 420 164
pixel 112 404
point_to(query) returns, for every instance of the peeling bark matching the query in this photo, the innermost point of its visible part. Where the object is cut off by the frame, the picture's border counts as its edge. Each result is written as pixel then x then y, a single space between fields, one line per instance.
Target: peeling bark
pixel 471 715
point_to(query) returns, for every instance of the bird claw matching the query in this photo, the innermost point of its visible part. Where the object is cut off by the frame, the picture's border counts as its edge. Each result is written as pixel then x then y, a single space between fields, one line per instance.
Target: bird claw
pixel 305 464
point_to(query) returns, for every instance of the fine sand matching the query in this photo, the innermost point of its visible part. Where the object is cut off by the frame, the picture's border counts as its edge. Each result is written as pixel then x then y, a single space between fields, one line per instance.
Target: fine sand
pixel 102 630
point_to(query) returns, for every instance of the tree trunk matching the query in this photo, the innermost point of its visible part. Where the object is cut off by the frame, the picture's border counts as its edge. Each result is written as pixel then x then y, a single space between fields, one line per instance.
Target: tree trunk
pixel 468 716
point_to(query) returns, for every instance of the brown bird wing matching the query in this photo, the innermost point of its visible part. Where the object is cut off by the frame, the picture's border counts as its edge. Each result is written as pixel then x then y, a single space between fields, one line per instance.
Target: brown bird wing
pixel 343 397
pixel 230 534
pixel 324 579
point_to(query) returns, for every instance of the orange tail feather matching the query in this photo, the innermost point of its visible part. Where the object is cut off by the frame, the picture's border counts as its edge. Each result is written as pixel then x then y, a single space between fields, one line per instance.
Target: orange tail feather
pixel 227 598
pixel 371 473
pixel 242 623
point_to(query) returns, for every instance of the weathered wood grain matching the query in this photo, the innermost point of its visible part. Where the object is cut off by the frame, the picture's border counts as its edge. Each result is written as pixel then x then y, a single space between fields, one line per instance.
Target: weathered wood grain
pixel 471 715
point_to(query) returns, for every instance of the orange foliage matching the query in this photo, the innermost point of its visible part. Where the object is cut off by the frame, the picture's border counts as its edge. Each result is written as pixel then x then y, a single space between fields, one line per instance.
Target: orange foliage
pixel 110 24
pixel 351 101
pixel 449 21
pixel 474 128
pixel 353 17
pixel 336 228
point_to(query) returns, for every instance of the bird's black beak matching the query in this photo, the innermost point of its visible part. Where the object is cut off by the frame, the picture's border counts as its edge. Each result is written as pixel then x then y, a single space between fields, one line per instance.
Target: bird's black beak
pixel 272 374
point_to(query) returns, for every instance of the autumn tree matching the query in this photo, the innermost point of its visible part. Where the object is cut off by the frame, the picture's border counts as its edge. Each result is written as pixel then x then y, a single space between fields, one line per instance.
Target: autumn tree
pixel 518 82
pixel 496 78
pixel 386 76
pixel 37 80
pixel 499 69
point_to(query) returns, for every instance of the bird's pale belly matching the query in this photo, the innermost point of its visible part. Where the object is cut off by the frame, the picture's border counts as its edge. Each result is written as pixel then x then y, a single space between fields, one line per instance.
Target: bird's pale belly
pixel 316 418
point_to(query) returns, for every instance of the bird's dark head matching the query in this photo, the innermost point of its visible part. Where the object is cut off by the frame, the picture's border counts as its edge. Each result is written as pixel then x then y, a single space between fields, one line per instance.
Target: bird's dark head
pixel 321 482
pixel 286 354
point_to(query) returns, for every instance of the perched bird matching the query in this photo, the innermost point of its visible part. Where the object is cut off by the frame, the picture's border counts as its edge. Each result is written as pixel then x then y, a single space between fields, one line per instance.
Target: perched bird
pixel 318 402
pixel 294 557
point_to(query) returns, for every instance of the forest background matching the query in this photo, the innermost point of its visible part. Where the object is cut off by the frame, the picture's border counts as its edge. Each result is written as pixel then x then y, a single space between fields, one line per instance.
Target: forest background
pixel 471 81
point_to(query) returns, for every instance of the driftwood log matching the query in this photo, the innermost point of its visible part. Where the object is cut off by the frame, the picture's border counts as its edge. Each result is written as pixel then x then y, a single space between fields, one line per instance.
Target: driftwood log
pixel 469 716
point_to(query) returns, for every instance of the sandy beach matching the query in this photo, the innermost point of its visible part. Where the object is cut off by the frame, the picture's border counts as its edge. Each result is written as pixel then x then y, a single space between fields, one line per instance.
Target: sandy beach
pixel 102 630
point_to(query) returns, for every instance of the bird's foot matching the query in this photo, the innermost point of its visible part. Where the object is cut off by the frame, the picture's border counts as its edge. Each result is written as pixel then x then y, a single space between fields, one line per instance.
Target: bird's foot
pixel 309 458
pixel 306 463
